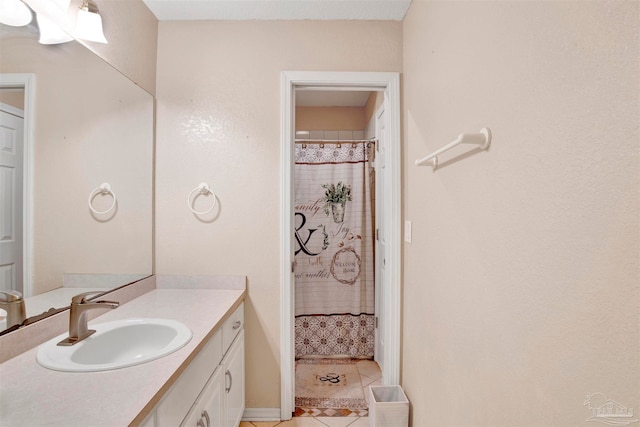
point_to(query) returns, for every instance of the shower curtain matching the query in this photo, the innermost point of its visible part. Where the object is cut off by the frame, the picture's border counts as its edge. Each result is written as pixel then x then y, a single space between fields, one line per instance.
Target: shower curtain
pixel 334 259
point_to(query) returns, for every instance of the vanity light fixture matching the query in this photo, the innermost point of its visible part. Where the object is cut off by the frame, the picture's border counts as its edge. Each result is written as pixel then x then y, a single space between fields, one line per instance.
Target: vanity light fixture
pixel 89 23
pixel 50 32
pixel 14 13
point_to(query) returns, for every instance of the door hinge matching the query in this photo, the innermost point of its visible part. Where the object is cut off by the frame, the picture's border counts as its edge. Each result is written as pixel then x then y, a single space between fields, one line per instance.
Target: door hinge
pixel 377 234
pixel 376 322
pixel 293 266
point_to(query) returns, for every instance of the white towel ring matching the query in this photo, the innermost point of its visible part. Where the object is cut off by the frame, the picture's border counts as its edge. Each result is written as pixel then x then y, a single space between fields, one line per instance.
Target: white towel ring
pixel 204 189
pixel 103 189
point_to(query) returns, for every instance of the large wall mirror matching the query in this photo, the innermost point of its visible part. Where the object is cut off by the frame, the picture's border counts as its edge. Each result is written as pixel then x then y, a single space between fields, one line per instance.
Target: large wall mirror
pixel 90 125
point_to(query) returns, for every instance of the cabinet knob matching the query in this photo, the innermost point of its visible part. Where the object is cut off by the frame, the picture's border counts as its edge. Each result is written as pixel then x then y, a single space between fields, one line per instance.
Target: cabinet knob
pixel 205 414
pixel 236 324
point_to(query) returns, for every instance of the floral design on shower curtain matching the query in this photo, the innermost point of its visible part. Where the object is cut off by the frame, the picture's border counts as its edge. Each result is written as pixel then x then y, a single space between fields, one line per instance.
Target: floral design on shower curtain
pixel 334 259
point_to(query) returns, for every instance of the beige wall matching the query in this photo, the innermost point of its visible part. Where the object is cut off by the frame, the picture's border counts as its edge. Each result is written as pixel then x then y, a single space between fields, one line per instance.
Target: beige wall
pixel 92 125
pixel 373 103
pixel 13 97
pixel 218 120
pixel 132 32
pixel 330 118
pixel 130 28
pixel 521 285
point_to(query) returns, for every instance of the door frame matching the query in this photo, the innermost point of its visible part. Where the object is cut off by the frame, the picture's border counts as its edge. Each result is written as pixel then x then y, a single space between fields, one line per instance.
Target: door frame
pixel 26 81
pixel 389 83
pixel 379 295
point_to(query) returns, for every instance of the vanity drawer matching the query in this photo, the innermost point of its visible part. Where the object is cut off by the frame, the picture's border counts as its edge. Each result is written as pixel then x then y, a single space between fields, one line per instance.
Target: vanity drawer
pixel 232 326
pixel 179 399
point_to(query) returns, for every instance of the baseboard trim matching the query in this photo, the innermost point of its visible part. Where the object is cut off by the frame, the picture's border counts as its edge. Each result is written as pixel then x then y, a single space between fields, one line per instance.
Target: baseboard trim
pixel 261 414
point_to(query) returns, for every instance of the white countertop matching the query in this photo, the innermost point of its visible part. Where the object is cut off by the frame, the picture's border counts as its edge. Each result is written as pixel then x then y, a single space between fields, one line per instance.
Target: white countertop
pixel 31 395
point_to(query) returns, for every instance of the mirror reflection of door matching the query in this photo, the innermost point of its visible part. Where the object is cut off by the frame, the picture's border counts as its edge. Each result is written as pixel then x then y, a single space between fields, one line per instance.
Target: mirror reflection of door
pixel 11 195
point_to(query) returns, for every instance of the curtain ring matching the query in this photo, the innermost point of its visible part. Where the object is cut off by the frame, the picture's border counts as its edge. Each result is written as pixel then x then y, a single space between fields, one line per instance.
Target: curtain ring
pixel 103 189
pixel 202 189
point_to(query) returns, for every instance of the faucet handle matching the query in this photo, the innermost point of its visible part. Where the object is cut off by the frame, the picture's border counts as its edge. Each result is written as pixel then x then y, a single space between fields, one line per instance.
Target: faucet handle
pixel 82 298
pixel 10 296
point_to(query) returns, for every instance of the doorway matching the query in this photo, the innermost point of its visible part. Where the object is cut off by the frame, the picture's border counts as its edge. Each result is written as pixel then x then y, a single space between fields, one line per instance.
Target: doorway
pixel 388 256
pixel 335 246
pixel 11 177
pixel 16 257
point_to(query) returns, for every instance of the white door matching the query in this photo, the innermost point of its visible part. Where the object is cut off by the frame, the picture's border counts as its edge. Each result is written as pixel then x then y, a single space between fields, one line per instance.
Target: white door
pixel 380 236
pixel 11 194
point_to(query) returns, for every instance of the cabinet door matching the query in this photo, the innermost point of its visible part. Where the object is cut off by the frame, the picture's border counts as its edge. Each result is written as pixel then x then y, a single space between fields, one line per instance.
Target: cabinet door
pixel 179 400
pixel 212 402
pixel 193 418
pixel 208 409
pixel 233 365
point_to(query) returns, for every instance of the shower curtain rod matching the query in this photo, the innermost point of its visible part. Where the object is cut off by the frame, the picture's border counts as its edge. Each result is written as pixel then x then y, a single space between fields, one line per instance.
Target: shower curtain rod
pixel 334 141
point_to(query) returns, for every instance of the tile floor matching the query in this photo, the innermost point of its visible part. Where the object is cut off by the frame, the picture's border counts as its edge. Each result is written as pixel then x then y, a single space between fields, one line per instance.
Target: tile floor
pixel 369 375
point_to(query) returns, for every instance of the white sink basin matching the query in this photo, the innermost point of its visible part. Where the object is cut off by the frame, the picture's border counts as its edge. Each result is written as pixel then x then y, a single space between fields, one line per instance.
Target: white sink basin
pixel 116 344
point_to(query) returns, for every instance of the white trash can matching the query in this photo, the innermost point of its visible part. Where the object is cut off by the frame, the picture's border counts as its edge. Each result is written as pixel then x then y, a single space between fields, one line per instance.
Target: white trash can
pixel 388 406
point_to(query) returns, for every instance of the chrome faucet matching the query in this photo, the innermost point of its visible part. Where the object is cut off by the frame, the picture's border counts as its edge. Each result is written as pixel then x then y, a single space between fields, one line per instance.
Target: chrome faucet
pixel 78 329
pixel 13 303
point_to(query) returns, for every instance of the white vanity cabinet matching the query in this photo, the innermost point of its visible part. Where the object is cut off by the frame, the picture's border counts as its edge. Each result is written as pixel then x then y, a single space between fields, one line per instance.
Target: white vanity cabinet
pixel 221 403
pixel 210 392
pixel 208 411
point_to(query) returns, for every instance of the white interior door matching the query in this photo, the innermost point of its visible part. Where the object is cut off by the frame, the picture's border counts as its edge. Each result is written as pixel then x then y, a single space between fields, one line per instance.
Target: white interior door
pixel 11 194
pixel 381 234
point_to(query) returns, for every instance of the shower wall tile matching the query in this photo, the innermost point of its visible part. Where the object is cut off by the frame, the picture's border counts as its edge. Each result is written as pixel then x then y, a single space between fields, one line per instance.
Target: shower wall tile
pixel 341 135
pixel 345 134
pixel 316 134
pixel 331 134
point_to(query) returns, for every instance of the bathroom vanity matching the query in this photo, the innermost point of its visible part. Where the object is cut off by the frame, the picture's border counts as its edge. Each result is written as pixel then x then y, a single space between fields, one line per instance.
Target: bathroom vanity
pixel 210 391
pixel 201 384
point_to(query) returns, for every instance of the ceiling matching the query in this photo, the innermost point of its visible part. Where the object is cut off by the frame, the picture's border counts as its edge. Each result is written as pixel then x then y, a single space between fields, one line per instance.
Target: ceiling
pixel 187 10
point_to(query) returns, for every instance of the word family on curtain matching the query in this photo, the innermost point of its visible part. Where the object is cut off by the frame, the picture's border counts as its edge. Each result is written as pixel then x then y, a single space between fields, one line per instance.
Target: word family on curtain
pixel 334 249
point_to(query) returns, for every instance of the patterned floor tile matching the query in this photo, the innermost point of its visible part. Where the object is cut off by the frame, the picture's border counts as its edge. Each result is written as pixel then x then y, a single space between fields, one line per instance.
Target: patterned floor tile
pixel 330 412
pixel 331 406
